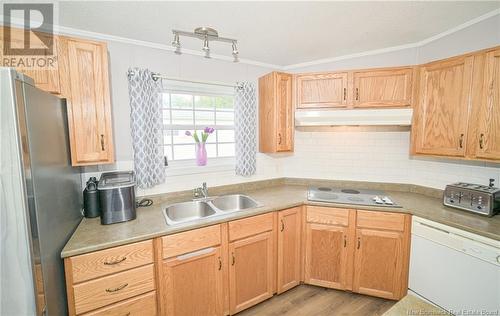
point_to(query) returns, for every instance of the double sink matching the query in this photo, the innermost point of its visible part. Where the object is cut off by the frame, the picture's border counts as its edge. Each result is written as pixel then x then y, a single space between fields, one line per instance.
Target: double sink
pixel 199 209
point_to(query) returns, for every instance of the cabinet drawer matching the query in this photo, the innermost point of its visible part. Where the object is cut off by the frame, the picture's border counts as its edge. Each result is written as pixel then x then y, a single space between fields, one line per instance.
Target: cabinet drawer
pixel 113 288
pixel 328 215
pixel 250 226
pixel 178 244
pixel 100 263
pixel 381 220
pixel 143 305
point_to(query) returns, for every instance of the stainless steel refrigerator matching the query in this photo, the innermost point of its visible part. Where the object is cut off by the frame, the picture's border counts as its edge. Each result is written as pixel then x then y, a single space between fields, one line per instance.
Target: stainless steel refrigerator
pixel 40 198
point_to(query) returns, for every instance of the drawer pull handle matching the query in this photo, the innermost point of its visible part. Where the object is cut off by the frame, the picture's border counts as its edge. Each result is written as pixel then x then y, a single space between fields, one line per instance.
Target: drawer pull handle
pixel 234 260
pixel 102 142
pixel 345 94
pixel 345 241
pixel 282 226
pixel 357 94
pixel 116 289
pixel 481 141
pixel 359 242
pixel 461 141
pixel 220 264
pixel 111 263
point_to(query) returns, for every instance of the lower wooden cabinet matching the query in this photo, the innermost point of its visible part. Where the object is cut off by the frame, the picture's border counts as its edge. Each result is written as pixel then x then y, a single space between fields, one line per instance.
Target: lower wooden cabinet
pixel 194 283
pixel 251 274
pixel 378 263
pixel 326 255
pixel 289 248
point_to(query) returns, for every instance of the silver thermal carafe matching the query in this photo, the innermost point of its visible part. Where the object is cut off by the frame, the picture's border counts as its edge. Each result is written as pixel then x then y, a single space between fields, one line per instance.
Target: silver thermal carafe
pixel 117 197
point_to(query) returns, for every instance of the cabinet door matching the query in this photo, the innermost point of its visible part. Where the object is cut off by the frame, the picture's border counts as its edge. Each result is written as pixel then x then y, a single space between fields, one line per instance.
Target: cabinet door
pixel 89 108
pixel 43 69
pixel 289 222
pixel 284 112
pixel 193 283
pixel 384 88
pixel 251 271
pixel 488 126
pixel 378 263
pixel 322 90
pixel 441 115
pixel 326 255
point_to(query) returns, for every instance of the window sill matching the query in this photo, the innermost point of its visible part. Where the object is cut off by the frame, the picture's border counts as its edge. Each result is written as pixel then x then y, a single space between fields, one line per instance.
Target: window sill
pixel 187 167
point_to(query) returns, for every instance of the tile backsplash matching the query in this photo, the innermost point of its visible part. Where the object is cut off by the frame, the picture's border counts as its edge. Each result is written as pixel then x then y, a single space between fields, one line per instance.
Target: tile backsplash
pixel 377 156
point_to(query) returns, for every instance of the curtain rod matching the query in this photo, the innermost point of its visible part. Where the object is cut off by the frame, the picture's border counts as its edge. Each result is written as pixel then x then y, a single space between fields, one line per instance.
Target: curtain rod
pixel 157 76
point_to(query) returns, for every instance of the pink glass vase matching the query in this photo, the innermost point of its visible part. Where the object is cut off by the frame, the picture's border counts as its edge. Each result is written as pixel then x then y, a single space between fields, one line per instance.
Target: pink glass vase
pixel 201 154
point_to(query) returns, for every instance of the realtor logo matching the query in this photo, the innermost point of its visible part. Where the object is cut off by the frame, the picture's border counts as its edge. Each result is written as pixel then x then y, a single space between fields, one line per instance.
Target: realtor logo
pixel 43 30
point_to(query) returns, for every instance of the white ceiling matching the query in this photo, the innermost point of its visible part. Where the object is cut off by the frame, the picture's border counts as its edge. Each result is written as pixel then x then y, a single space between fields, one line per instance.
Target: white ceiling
pixel 280 33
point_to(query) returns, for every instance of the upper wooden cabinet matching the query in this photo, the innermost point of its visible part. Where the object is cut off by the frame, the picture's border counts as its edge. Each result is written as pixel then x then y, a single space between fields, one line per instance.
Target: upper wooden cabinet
pixel 86 84
pixel 322 90
pixel 441 116
pixel 45 73
pixel 275 113
pixel 457 111
pixel 383 88
pixel 484 140
pixel 77 71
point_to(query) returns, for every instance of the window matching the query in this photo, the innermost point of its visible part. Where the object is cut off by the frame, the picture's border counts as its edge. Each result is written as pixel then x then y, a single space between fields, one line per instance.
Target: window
pixel 183 110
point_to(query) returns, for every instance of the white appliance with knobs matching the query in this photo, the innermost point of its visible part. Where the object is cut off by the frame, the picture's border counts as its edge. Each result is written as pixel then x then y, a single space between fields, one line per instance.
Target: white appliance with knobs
pixel 454 269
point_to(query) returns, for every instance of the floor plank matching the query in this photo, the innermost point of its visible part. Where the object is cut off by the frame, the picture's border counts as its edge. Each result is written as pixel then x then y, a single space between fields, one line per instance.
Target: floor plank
pixel 317 301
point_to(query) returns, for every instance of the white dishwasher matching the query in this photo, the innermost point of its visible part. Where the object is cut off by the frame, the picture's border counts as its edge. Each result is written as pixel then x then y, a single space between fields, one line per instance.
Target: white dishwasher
pixel 455 269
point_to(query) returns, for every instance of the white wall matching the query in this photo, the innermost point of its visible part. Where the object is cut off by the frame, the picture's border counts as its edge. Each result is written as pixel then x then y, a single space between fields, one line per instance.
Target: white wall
pixel 122 56
pixel 363 156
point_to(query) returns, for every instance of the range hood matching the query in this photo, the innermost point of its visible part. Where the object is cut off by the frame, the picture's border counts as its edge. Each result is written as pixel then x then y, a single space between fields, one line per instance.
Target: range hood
pixel 373 117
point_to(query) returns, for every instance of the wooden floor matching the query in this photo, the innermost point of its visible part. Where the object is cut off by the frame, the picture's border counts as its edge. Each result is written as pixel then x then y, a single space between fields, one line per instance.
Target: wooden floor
pixel 317 301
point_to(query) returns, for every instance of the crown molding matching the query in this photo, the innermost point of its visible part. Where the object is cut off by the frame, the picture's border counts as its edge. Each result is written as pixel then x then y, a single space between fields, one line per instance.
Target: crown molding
pixel 63 30
pixel 396 48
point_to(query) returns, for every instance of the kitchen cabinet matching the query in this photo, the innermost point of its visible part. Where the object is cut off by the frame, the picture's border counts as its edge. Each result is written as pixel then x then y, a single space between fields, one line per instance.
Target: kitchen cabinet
pixel 289 248
pixel 193 272
pixel 322 90
pixel 251 261
pixel 194 283
pixel 484 140
pixel 85 81
pixel 382 254
pixel 45 72
pixel 391 87
pixel 276 115
pixel 105 281
pixel 441 117
pixel 326 247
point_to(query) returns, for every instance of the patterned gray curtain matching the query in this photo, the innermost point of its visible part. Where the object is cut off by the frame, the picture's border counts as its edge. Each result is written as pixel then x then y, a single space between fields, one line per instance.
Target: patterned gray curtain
pixel 245 122
pixel 146 125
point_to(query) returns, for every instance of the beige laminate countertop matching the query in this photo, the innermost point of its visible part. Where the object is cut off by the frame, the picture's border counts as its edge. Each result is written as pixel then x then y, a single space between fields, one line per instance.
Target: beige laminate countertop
pixel 150 222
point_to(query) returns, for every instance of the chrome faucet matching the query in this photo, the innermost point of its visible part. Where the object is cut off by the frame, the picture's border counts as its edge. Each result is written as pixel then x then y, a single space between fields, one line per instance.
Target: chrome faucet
pixel 201 192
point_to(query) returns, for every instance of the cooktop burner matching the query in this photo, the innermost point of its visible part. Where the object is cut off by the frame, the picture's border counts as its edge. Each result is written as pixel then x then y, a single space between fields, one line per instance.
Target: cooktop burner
pixel 350 196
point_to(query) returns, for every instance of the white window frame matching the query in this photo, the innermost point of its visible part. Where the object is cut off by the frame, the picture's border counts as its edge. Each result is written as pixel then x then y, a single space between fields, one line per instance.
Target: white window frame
pixel 188 166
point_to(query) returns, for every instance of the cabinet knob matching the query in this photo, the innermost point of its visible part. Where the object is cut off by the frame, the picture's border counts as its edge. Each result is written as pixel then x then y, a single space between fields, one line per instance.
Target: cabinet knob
pixel 481 141
pixel 102 142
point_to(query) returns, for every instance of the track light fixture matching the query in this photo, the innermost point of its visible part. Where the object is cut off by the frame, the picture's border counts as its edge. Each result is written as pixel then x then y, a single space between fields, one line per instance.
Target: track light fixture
pixel 206 34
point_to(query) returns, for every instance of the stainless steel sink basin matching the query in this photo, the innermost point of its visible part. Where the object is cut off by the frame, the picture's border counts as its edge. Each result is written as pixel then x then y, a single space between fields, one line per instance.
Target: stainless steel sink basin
pixel 188 211
pixel 196 210
pixel 234 202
